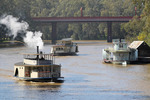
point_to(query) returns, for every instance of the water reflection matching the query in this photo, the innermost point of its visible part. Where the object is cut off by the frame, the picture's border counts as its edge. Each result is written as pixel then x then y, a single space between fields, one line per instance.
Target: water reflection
pixel 83 54
pixel 38 90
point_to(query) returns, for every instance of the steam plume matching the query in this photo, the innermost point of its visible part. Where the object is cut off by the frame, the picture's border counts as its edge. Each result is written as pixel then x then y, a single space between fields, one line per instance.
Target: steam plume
pixel 32 39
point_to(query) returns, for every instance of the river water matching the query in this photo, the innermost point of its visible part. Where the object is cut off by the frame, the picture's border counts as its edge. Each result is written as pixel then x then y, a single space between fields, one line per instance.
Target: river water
pixel 86 77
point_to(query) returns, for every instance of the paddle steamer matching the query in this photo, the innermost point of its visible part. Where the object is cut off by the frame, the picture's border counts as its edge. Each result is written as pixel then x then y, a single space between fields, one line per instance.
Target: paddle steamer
pixel 64 47
pixel 38 67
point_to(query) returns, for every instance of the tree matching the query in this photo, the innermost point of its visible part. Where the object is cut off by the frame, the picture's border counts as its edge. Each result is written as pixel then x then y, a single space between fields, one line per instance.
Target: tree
pixel 133 28
pixel 139 26
pixel 25 9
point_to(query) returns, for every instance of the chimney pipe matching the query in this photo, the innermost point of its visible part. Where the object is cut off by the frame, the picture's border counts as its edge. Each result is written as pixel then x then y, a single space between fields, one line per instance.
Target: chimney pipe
pixel 37 55
pixel 37 49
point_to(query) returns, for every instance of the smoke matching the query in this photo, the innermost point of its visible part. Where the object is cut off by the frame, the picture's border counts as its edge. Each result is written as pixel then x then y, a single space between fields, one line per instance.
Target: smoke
pixel 32 39
pixel 14 25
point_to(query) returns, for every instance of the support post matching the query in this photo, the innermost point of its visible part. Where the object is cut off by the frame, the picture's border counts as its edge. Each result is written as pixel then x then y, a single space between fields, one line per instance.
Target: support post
pixel 109 31
pixel 54 32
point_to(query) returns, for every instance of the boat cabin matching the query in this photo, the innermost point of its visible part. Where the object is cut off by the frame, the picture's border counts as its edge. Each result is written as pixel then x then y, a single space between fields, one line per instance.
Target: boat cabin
pixel 119 53
pixel 37 67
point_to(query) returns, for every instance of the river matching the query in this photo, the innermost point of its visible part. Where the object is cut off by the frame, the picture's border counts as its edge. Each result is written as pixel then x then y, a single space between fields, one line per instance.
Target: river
pixel 86 77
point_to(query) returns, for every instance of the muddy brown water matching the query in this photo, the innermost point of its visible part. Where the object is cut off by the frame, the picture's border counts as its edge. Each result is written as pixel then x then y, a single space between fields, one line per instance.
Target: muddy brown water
pixel 86 77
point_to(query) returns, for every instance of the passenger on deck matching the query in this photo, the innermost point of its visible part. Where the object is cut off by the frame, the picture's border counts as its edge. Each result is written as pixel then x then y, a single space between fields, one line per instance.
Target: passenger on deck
pixel 41 56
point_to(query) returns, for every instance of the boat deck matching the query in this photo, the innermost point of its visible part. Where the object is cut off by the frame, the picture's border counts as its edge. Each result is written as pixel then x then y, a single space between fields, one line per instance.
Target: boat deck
pixel 112 50
pixel 28 65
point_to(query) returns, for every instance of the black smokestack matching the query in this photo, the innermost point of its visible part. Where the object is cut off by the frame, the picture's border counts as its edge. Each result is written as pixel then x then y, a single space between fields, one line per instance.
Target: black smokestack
pixel 37 49
pixel 38 55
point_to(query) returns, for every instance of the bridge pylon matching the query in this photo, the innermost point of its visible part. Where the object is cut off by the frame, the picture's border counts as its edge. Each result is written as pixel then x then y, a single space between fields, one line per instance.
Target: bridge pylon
pixel 54 32
pixel 109 31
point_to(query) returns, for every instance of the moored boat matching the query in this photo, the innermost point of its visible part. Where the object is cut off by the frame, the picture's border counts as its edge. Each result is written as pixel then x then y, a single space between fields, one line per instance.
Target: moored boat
pixel 38 67
pixel 120 53
pixel 64 47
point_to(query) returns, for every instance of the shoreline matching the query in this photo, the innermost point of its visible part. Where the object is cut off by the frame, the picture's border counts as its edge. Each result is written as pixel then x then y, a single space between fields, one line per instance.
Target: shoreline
pixel 11 44
pixel 81 42
pixel 7 44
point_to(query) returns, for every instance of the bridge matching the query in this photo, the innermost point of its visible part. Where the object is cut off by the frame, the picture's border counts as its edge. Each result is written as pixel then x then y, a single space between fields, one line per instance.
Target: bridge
pixel 55 20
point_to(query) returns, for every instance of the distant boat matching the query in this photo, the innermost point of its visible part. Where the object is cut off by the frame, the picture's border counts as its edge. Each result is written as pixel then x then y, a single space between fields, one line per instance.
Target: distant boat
pixel 120 53
pixel 38 67
pixel 64 47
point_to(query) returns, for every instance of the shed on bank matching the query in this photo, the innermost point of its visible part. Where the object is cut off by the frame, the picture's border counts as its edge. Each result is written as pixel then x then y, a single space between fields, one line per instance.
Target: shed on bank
pixel 142 47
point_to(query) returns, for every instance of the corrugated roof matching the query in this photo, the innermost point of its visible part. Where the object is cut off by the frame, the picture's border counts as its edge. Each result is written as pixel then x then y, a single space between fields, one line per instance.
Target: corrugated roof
pixel 135 44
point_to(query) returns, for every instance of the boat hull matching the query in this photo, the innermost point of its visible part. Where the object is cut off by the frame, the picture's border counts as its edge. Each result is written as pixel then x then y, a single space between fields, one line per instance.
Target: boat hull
pixel 63 54
pixel 41 79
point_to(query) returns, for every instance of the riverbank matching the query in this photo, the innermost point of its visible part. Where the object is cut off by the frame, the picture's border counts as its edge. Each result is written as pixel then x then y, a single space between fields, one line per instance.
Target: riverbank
pixel 6 44
pixel 81 42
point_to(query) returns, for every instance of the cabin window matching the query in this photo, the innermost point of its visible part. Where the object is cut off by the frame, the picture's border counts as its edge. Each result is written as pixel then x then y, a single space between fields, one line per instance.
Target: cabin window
pixel 46 69
pixel 59 49
pixel 49 69
pixel 40 69
pixel 121 45
pixel 55 70
pixel 35 69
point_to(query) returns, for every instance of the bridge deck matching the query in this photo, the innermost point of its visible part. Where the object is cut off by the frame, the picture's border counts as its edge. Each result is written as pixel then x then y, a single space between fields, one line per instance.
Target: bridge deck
pixel 82 19
pixel 54 21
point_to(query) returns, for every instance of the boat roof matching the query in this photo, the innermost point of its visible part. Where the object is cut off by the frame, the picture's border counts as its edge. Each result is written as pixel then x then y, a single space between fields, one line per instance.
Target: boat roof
pixel 135 44
pixel 115 51
pixel 119 41
pixel 34 54
pixel 21 64
pixel 66 39
pixel 59 46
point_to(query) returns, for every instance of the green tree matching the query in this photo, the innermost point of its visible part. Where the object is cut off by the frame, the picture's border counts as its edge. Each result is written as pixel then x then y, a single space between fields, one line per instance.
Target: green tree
pixel 116 8
pixel 139 26
pixel 133 28
pixel 25 9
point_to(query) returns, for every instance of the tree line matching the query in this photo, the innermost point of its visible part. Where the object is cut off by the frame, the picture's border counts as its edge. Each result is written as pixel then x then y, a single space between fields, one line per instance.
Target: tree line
pixel 134 30
pixel 139 27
